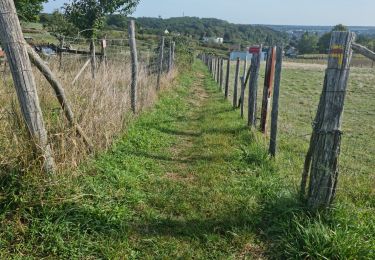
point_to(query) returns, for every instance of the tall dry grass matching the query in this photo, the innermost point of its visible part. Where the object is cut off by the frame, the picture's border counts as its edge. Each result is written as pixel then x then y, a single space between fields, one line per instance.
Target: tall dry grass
pixel 101 107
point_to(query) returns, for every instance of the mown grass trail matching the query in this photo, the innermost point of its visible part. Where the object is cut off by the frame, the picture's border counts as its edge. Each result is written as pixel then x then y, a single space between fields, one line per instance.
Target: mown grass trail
pixel 187 180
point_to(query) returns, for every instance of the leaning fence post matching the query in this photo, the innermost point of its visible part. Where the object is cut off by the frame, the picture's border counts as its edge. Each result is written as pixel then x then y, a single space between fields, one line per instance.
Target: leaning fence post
pixel 15 48
pixel 134 57
pixel 322 158
pixel 161 57
pixel 235 90
pixel 226 92
pixel 253 86
pixel 275 101
pixel 267 89
pixel 93 59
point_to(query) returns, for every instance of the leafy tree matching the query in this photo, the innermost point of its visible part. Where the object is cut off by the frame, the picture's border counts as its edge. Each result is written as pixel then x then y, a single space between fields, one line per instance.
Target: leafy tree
pixel 308 43
pixel 28 10
pixel 58 24
pixel 90 14
pixel 325 40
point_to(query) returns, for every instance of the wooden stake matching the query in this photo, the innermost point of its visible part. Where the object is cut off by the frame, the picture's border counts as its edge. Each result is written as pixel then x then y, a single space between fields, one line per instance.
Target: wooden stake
pixel 161 58
pixel 275 101
pixel 61 39
pixel 235 90
pixel 253 88
pixel 170 57
pixel 267 89
pixel 226 92
pixel 93 59
pixel 15 48
pixel 81 71
pixel 134 57
pixel 322 158
pixel 221 73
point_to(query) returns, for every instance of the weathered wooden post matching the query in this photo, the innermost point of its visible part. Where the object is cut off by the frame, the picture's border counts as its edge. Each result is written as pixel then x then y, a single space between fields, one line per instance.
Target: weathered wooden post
pixel 235 89
pixel 243 87
pixel 221 73
pixel 218 71
pixel 170 57
pixel 275 101
pixel 322 158
pixel 253 85
pixel 134 57
pixel 61 40
pixel 226 92
pixel 244 68
pixel 103 58
pixel 93 59
pixel 161 57
pixel 267 89
pixel 15 48
pixel 173 53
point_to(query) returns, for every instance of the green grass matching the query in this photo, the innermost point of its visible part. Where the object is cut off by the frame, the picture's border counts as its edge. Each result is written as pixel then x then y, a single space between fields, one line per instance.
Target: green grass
pixel 187 180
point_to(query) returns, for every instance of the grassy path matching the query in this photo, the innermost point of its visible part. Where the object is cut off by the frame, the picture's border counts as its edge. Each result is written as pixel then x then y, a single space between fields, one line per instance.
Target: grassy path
pixel 188 180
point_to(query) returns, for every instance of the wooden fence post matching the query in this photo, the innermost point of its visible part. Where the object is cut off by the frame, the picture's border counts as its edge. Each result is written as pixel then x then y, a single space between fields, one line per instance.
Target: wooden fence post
pixel 218 70
pixel 244 68
pixel 15 48
pixel 226 92
pixel 103 45
pixel 322 158
pixel 235 90
pixel 267 90
pixel 242 96
pixel 134 57
pixel 173 53
pixel 253 87
pixel 93 59
pixel 275 101
pixel 221 73
pixel 161 58
pixel 170 57
pixel 61 40
pixel 214 68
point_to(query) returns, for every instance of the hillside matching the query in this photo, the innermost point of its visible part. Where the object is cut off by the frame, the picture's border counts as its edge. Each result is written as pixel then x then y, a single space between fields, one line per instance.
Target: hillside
pixel 201 27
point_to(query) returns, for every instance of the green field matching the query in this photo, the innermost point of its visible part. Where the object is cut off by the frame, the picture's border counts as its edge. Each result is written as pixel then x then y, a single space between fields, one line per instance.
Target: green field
pixel 189 180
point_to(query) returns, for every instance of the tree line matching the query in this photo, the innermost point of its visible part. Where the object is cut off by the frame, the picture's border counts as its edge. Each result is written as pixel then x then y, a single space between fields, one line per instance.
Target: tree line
pixel 311 43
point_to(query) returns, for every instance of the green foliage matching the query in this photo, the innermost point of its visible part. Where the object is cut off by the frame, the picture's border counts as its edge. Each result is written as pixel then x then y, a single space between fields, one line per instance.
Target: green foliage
pixel 198 28
pixel 28 10
pixel 58 24
pixel 89 15
pixel 308 43
pixel 325 40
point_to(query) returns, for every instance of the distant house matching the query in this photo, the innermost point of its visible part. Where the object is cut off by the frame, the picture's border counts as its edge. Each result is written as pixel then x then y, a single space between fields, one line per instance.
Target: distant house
pixel 166 32
pixel 218 40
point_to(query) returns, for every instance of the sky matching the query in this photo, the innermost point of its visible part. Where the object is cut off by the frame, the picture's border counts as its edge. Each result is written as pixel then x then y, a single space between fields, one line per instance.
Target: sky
pixel 281 12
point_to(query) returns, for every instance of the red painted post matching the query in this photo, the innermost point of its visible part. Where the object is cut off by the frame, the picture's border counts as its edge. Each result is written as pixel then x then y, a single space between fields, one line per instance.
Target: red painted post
pixel 268 87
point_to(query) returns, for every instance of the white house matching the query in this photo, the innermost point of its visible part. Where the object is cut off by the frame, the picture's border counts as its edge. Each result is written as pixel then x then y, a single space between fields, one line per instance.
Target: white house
pixel 218 40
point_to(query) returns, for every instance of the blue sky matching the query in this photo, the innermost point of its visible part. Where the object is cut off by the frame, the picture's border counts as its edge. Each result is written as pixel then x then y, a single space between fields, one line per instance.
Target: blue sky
pixel 301 12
